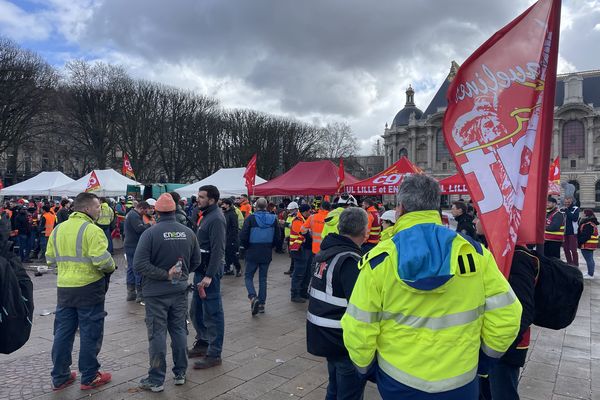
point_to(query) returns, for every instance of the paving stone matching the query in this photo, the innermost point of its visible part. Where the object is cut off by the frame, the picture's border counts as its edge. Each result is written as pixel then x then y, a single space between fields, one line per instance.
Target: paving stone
pixel 257 387
pixel 294 367
pixel 252 369
pixel 213 388
pixel 575 369
pixel 535 389
pixel 573 387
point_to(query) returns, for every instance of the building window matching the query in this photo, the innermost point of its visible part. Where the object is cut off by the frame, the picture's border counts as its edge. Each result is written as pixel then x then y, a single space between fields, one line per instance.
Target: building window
pixel 573 163
pixel 597 191
pixel 573 140
pixel 45 162
pixel 403 152
pixel 441 151
pixel 422 155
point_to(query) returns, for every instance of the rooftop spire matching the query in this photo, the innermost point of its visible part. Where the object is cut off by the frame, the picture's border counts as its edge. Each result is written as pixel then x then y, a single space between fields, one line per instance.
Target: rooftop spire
pixel 410 96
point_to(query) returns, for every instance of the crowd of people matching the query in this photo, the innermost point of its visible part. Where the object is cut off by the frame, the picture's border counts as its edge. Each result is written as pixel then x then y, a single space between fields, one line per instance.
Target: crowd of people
pixel 394 296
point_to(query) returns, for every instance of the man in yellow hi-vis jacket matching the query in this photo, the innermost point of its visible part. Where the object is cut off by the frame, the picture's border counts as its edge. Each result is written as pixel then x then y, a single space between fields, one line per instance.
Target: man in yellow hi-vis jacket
pixel 429 305
pixel 79 250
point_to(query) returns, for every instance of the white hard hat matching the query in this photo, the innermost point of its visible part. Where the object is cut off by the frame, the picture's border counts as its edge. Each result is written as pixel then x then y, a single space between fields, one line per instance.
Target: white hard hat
pixel 130 197
pixel 292 206
pixel 151 202
pixel 347 199
pixel 389 215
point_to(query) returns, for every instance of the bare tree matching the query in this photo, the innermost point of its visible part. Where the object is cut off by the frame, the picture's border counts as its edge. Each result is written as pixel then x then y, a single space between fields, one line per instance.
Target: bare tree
pixel 337 141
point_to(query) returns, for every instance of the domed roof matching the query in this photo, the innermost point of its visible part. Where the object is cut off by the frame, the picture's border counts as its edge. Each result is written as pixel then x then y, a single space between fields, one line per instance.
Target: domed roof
pixel 403 115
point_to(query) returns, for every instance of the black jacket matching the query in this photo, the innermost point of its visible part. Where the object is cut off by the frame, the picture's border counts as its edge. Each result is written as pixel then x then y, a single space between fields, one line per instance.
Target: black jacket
pixel 211 238
pixel 260 253
pixel 134 227
pixel 522 277
pixel 586 230
pixel 465 225
pixel 21 223
pixel 323 341
pixel 232 229
pixel 571 218
pixel 63 214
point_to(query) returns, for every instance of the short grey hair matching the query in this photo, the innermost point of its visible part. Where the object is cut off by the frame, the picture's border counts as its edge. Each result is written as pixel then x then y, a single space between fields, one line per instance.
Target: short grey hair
pixel 261 204
pixel 353 222
pixel 419 192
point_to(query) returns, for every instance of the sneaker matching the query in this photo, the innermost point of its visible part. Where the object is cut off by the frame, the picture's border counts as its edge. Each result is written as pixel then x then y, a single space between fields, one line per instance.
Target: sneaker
pixel 199 350
pixel 261 308
pixel 254 305
pixel 207 362
pixel 101 378
pixel 238 274
pixel 298 300
pixel 67 383
pixel 147 384
pixel 586 276
pixel 179 379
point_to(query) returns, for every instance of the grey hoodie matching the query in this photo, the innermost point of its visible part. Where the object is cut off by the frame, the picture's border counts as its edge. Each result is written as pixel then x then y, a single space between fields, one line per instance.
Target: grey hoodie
pixel 159 249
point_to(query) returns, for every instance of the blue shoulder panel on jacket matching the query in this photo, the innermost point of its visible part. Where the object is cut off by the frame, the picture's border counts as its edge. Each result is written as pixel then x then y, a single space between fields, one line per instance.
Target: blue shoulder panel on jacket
pixel 473 242
pixel 378 259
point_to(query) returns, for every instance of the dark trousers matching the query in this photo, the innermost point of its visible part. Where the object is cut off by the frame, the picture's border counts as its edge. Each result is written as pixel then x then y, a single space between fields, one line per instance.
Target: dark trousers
pixel 24 247
pixel 301 274
pixel 552 249
pixel 166 313
pixel 207 316
pixel 231 258
pixel 345 383
pixel 570 247
pixel 91 330
pixel 107 233
pixel 251 268
pixel 504 381
pixel 588 255
pixel 133 278
pixel 43 246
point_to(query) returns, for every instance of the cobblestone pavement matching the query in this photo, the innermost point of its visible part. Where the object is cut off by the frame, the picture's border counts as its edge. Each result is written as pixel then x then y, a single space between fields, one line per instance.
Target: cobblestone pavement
pixel 264 357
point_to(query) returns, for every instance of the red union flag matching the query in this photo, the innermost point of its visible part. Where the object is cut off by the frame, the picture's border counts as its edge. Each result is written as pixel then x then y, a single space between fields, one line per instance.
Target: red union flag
pixel 93 183
pixel 127 170
pixel 341 177
pixel 250 174
pixel 554 177
pixel 498 127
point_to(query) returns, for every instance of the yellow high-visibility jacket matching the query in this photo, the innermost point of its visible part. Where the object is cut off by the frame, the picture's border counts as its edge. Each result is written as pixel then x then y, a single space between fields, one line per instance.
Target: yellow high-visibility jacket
pixel 78 248
pixel 331 222
pixel 106 215
pixel 424 305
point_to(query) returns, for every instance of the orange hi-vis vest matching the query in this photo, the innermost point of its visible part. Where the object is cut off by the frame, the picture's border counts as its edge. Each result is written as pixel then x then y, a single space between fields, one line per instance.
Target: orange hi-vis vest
pixel 555 236
pixel 200 216
pixel 315 224
pixel 246 208
pixel 296 237
pixel 50 220
pixel 148 219
pixel 374 225
pixel 591 243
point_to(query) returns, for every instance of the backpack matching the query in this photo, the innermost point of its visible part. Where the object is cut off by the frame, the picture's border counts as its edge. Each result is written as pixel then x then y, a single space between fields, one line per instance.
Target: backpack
pixel 16 305
pixel 557 293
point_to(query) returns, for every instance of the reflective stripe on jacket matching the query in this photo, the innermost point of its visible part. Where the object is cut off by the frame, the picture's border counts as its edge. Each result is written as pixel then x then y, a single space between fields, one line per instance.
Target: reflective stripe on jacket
pixel 288 225
pixel 106 215
pixel 374 225
pixel 315 224
pixel 78 248
pixel 592 242
pixel 424 305
pixel 555 232
pixel 296 236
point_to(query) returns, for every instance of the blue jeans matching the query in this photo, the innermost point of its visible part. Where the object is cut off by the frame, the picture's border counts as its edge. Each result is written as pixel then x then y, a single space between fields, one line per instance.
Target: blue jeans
pixel 24 248
pixel 91 330
pixel 588 255
pixel 302 271
pixel 504 380
pixel 251 268
pixel 207 316
pixel 166 313
pixel 133 278
pixel 43 245
pixel 345 383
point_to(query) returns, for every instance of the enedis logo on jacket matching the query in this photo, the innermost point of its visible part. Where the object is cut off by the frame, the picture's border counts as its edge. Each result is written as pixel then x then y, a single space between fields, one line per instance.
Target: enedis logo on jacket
pixel 174 235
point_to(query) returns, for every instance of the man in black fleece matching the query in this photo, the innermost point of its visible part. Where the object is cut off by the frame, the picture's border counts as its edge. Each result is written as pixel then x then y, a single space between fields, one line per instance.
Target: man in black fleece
pixel 464 221
pixel 330 290
pixel 233 241
pixel 207 313
pixel 165 290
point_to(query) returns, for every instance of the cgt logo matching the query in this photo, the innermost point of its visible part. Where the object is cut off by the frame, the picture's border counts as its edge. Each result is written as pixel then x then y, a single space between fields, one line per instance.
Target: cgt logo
pixel 174 235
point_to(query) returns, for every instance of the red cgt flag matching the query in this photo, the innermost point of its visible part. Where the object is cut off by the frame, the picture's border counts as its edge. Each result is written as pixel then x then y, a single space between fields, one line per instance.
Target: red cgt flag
pixel 341 177
pixel 127 170
pixel 498 127
pixel 250 174
pixel 93 183
pixel 554 177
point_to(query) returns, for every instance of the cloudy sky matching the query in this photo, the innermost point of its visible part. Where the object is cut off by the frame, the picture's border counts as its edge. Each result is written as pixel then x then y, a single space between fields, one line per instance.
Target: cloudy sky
pixel 315 60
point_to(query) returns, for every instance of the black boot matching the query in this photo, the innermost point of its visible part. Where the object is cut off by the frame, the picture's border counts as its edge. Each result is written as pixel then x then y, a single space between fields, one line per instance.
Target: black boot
pixel 139 298
pixel 130 292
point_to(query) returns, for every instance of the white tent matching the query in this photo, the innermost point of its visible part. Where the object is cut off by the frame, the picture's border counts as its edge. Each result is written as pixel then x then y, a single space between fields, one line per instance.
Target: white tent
pixel 39 185
pixel 111 184
pixel 229 181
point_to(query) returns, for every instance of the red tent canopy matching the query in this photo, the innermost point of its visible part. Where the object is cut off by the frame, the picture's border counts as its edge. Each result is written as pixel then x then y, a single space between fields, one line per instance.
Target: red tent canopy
pixel 385 182
pixel 305 178
pixel 454 184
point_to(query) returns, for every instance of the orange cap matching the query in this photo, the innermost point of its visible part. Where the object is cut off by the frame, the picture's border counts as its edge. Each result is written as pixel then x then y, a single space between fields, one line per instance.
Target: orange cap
pixel 165 203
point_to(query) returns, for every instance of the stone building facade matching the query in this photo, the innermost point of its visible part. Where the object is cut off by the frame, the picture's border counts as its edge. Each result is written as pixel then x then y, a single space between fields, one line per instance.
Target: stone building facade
pixel 576 135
